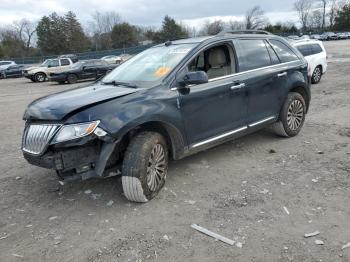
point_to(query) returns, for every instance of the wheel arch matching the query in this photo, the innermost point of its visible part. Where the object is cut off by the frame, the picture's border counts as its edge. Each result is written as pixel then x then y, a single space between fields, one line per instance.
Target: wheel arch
pixel 302 91
pixel 171 134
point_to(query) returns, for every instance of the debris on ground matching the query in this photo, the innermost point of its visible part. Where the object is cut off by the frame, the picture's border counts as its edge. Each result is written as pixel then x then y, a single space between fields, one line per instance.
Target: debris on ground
pixel 110 203
pixel 320 152
pixel 239 245
pixel 18 178
pixel 314 180
pixel 16 255
pixel 191 202
pixel 212 234
pixel 165 237
pixel 346 245
pixel 4 237
pixel 88 191
pixel 319 242
pixel 61 183
pixel 272 151
pixel 312 234
pixel 264 191
pixel 95 196
pixel 53 218
pixel 286 210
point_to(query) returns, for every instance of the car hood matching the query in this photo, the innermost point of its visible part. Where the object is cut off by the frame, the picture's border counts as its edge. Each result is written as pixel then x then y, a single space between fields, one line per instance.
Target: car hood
pixel 58 106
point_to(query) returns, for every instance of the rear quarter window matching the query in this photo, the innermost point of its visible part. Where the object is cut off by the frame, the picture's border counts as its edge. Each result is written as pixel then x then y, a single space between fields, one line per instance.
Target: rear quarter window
pixel 305 50
pixel 252 54
pixel 284 53
pixel 316 48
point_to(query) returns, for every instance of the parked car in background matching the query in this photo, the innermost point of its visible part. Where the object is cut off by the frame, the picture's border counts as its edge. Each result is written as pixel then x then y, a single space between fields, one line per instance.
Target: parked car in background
pixel 293 37
pixel 342 36
pixel 111 59
pixel 74 58
pixel 316 37
pixel 316 55
pixel 5 64
pixel 172 100
pixel 89 69
pixel 330 36
pixel 41 73
pixel 12 71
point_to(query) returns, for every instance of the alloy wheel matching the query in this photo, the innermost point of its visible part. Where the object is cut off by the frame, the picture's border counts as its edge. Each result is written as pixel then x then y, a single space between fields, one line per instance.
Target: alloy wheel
pixel 156 167
pixel 295 115
pixel 317 74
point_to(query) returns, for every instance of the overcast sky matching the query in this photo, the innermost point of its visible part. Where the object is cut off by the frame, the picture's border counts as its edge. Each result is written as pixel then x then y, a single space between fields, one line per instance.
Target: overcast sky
pixel 147 12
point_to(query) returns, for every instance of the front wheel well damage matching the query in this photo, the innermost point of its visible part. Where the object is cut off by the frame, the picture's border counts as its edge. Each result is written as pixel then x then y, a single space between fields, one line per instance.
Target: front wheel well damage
pixel 171 135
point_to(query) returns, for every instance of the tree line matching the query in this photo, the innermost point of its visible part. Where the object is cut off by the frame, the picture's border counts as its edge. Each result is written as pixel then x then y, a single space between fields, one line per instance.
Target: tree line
pixel 57 34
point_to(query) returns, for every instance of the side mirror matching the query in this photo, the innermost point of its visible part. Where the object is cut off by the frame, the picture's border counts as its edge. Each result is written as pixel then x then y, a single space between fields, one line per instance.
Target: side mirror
pixel 194 78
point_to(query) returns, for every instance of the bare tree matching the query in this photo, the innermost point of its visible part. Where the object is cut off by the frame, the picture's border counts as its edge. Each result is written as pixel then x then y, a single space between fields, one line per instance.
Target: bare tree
pixel 303 8
pixel 25 31
pixel 235 25
pixel 316 20
pixel 255 18
pixel 101 27
pixel 212 28
pixel 324 4
pixel 334 7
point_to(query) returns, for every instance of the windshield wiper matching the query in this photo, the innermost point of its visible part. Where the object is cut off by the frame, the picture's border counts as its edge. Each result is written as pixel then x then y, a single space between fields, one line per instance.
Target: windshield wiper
pixel 118 83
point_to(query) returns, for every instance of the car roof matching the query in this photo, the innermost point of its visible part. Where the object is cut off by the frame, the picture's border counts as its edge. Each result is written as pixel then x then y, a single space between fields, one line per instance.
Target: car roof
pixel 221 36
pixel 306 41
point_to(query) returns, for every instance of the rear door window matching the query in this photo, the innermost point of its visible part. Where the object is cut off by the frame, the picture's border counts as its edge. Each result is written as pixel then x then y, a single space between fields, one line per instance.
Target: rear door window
pixel 252 54
pixel 284 53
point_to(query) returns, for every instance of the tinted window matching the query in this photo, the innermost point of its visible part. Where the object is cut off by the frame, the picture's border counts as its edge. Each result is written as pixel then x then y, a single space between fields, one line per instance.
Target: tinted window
pixel 253 54
pixel 64 62
pixel 5 63
pixel 283 51
pixel 305 50
pixel 273 55
pixel 316 49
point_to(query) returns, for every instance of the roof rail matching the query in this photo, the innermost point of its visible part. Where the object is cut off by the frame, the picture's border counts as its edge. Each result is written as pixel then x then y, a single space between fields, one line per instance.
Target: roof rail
pixel 258 32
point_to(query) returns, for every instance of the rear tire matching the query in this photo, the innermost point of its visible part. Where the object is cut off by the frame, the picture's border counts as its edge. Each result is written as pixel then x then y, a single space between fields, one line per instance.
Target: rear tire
pixel 144 167
pixel 316 75
pixel 40 77
pixel 292 116
pixel 72 79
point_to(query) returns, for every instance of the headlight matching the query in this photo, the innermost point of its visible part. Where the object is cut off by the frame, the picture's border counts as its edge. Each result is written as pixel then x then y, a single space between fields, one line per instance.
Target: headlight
pixel 69 132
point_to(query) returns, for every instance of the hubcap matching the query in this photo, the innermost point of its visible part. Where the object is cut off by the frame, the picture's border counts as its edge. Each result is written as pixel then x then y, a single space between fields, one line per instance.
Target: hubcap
pixel 156 167
pixel 295 115
pixel 317 74
pixel 40 78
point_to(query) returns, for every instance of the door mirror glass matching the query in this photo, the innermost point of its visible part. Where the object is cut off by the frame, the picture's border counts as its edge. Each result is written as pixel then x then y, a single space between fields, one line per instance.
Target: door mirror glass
pixel 194 78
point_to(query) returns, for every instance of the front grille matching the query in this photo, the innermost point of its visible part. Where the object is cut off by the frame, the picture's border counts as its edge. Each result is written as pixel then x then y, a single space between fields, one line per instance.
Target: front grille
pixel 36 137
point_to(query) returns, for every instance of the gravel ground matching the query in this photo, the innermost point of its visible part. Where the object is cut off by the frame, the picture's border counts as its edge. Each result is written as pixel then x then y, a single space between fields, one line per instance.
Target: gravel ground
pixel 243 190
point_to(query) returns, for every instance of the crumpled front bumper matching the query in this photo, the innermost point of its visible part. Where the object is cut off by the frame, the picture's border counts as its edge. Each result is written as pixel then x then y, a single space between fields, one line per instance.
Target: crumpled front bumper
pixel 81 159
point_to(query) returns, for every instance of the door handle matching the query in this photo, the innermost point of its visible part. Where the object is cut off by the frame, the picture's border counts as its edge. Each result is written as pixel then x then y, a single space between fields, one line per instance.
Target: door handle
pixel 282 74
pixel 237 87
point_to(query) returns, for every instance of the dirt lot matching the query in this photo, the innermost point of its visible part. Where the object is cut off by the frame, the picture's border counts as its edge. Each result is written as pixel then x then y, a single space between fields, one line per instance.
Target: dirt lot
pixel 238 189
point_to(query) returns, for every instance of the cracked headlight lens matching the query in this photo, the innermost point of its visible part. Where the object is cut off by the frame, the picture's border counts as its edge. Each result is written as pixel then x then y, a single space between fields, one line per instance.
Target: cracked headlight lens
pixel 69 132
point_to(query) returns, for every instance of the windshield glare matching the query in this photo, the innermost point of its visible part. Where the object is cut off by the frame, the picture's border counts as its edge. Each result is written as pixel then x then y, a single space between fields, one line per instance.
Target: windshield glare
pixel 151 66
pixel 46 62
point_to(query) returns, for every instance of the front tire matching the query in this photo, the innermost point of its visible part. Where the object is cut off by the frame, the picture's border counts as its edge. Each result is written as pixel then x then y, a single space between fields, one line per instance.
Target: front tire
pixel 40 77
pixel 144 167
pixel 292 116
pixel 72 79
pixel 317 75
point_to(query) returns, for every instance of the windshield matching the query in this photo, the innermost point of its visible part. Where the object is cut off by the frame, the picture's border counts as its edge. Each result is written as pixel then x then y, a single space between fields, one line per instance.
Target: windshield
pixel 77 65
pixel 149 67
pixel 46 62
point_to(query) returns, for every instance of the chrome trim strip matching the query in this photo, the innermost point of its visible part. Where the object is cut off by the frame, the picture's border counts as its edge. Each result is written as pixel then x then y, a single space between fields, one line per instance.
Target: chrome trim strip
pixel 253 70
pixel 261 121
pixel 219 137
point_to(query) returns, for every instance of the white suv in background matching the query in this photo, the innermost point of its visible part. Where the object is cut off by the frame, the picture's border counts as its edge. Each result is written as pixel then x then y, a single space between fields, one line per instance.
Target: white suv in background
pixel 316 55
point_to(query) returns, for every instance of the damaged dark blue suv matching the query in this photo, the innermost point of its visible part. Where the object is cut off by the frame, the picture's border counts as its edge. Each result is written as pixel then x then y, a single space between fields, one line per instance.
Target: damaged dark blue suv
pixel 172 100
